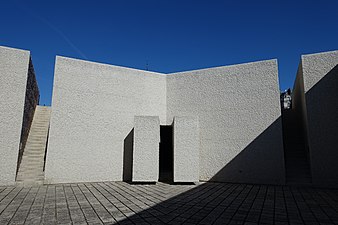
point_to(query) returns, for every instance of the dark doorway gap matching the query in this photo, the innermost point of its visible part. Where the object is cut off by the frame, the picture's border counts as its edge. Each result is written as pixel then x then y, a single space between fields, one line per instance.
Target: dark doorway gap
pixel 296 152
pixel 166 166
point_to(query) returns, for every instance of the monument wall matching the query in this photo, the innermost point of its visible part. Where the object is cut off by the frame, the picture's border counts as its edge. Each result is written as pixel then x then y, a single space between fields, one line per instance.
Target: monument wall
pixel 19 95
pixel 318 78
pixel 239 120
pixel 93 112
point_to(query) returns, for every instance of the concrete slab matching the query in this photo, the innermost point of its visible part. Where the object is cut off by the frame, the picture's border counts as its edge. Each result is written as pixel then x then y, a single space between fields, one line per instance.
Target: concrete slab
pixel 146 149
pixel 18 101
pixel 315 102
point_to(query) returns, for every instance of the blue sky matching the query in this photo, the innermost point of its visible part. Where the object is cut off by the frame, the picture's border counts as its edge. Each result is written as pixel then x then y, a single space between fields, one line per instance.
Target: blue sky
pixel 169 36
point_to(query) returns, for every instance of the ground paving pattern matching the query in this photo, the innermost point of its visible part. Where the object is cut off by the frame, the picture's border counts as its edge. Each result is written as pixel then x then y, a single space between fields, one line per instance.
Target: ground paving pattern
pixel 206 203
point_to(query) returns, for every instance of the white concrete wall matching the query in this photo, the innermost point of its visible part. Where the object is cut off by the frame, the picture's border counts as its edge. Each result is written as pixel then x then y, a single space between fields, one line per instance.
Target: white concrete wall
pixel 146 149
pixel 320 74
pixel 186 149
pixel 93 109
pixel 239 119
pixel 14 65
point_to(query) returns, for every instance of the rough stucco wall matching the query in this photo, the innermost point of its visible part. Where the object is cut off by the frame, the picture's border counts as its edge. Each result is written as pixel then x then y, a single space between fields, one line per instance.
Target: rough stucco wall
pixel 316 66
pixel 146 149
pixel 320 73
pixel 186 149
pixel 93 112
pixel 239 118
pixel 13 79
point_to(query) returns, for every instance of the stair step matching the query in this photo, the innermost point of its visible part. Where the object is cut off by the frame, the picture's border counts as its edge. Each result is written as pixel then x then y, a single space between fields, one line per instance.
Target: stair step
pixel 30 145
pixel 34 153
pixel 29 182
pixel 30 176
pixel 35 150
pixel 31 164
pixel 28 165
pixel 33 173
pixel 31 167
pixel 34 157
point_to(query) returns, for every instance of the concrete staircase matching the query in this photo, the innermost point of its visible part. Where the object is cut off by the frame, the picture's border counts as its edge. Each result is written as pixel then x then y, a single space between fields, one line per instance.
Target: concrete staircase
pixel 31 169
pixel 297 164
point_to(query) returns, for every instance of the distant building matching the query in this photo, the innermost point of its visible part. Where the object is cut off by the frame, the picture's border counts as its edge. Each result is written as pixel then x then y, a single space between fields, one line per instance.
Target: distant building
pixel 286 99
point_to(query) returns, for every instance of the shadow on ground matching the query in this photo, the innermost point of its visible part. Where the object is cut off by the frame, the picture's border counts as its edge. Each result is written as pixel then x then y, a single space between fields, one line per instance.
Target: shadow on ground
pixel 231 203
pixel 226 203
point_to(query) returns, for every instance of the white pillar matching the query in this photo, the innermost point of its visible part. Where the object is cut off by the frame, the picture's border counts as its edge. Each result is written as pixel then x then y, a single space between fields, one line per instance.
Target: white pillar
pixel 146 149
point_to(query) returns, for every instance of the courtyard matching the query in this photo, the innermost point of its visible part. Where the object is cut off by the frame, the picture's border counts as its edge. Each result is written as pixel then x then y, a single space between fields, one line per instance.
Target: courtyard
pixel 161 203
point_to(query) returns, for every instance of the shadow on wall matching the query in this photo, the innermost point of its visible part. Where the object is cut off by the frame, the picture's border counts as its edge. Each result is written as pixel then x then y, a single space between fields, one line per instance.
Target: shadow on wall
pixel 32 97
pixel 227 203
pixel 128 156
pixel 322 114
pixel 261 162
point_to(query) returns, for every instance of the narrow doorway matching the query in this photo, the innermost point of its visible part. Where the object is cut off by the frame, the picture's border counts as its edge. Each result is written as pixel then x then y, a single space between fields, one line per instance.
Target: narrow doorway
pixel 295 142
pixel 166 154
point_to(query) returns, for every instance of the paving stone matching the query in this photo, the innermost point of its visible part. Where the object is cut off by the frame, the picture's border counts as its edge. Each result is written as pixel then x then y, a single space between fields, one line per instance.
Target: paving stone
pixel 208 203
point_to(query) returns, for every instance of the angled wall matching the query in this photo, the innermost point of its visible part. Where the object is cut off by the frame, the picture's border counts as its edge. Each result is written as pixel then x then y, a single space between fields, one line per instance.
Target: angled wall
pixel 317 83
pixel 19 95
pixel 93 109
pixel 299 105
pixel 239 120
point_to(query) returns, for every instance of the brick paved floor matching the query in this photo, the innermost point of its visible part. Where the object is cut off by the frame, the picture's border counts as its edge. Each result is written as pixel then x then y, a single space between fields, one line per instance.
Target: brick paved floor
pixel 208 203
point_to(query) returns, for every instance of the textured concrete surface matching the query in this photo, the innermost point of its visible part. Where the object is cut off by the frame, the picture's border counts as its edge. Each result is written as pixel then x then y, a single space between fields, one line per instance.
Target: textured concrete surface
pixel 146 149
pixel 94 107
pixel 93 112
pixel 209 203
pixel 318 78
pixel 186 149
pixel 239 120
pixel 14 65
